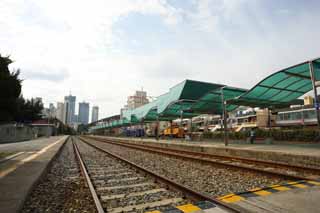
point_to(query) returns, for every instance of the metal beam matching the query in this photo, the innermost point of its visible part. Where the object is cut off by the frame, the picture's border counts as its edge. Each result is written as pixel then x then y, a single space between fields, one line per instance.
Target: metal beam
pixel 296 75
pixel 283 89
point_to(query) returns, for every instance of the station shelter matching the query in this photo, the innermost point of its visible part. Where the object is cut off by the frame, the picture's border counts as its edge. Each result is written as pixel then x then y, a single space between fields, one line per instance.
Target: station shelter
pixel 191 98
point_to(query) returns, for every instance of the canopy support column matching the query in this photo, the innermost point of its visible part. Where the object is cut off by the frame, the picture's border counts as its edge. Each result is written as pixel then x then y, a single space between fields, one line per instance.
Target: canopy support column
pixel 181 125
pixel 142 129
pixel 224 114
pixel 157 128
pixel 315 92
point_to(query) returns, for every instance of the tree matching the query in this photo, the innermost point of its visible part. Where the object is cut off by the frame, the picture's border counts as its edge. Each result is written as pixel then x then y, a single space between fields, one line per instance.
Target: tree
pixel 28 110
pixel 10 87
pixel 13 107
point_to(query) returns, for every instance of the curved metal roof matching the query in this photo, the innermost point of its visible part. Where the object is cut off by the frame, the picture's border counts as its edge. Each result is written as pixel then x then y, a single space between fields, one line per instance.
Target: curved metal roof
pixel 281 88
pixel 190 97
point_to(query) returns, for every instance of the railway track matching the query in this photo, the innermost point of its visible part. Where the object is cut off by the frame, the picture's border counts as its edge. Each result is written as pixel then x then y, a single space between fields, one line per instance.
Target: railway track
pixel 118 185
pixel 293 172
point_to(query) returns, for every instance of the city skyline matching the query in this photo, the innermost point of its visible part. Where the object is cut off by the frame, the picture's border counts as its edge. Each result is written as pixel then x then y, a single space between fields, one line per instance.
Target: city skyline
pixel 154 45
pixel 68 112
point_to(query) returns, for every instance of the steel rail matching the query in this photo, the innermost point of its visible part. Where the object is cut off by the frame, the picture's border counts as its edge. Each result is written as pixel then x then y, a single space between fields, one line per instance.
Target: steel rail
pixel 88 180
pixel 311 168
pixel 193 156
pixel 192 194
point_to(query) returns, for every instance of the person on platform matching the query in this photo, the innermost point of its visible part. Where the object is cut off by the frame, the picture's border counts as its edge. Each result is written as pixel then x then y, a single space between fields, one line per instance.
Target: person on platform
pixel 252 136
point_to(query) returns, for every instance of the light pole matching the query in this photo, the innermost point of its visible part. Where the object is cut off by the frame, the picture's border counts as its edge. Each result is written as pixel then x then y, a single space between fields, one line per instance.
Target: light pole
pixel 181 125
pixel 157 128
pixel 224 113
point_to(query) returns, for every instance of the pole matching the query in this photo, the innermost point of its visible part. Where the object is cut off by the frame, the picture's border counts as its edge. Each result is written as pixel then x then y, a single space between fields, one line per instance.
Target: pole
pixel 181 125
pixel 48 128
pixel 142 129
pixel 224 113
pixel 316 102
pixel 157 129
pixel 191 129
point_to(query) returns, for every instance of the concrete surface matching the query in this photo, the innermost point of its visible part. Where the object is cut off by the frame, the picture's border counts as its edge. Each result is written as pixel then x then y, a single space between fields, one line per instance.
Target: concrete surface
pixel 18 175
pixel 294 201
pixel 28 146
pixel 295 154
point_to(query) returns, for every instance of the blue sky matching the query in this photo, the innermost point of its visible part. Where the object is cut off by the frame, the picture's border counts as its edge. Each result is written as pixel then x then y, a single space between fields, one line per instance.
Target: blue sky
pixel 104 50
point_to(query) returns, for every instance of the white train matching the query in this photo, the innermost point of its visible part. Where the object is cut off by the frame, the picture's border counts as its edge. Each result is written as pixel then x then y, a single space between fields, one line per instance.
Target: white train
pixel 306 116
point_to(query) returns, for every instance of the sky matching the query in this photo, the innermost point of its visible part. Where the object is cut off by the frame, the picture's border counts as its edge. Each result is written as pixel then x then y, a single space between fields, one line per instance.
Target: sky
pixel 104 50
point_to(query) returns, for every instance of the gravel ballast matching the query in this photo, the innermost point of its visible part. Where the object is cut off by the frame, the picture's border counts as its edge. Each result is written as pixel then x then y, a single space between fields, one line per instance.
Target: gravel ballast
pixel 62 189
pixel 106 171
pixel 215 180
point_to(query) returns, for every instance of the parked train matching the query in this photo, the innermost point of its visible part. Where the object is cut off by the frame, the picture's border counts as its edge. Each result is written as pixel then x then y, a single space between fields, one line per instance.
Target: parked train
pixel 306 116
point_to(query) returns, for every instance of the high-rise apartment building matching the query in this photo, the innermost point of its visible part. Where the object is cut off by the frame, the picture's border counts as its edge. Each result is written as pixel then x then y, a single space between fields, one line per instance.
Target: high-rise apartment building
pixel 70 105
pixel 83 115
pixel 95 114
pixel 137 100
pixel 66 113
pixel 60 111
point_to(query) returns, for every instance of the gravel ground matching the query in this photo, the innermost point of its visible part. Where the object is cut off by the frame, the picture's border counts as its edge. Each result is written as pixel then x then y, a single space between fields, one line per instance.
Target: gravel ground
pixel 62 189
pixel 102 171
pixel 212 179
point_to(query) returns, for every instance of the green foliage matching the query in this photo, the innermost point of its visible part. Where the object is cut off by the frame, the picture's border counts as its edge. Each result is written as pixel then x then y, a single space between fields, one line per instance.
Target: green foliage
pixel 10 87
pixel 300 134
pixel 28 110
pixel 13 107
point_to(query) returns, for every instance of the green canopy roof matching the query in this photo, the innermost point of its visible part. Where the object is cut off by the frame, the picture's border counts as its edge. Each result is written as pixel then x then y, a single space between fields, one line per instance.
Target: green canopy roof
pixel 212 101
pixel 281 88
pixel 190 97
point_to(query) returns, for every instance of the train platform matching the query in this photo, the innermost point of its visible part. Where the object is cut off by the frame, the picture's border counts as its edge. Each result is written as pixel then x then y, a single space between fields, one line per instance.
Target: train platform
pixel 21 166
pixel 304 199
pixel 304 154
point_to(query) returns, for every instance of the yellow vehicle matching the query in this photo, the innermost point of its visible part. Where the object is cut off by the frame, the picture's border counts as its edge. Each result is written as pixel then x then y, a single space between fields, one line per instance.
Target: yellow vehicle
pixel 177 132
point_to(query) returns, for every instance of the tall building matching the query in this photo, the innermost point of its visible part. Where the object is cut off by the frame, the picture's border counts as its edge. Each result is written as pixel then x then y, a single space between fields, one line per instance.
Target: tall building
pixel 52 111
pixel 60 111
pixel 70 105
pixel 83 115
pixel 95 114
pixel 66 113
pixel 137 100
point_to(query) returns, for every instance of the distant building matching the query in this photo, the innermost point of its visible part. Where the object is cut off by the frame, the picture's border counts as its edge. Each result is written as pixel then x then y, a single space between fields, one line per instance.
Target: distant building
pixel 60 111
pixel 70 105
pixel 83 115
pixel 95 114
pixel 122 110
pixel 308 100
pixel 52 111
pixel 66 113
pixel 75 119
pixel 137 100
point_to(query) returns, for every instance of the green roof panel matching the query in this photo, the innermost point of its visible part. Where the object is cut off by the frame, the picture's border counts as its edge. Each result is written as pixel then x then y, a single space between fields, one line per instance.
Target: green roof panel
pixel 281 88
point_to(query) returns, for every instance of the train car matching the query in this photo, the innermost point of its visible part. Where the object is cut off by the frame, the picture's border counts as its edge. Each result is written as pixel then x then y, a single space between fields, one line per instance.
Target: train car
pixel 298 117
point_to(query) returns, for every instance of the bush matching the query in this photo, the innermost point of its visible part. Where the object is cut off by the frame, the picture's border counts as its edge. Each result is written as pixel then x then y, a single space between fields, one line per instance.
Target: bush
pixel 307 135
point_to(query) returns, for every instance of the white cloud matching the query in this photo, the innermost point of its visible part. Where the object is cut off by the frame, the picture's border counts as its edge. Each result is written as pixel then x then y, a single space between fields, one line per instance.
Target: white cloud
pixel 232 42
